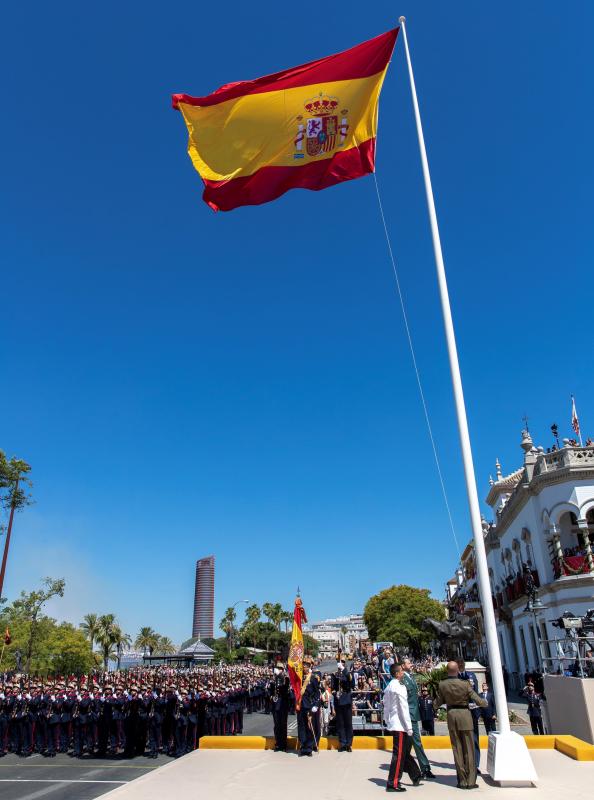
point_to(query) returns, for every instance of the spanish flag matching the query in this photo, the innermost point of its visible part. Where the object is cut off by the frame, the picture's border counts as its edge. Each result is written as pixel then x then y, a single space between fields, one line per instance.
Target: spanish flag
pixel 308 127
pixel 295 660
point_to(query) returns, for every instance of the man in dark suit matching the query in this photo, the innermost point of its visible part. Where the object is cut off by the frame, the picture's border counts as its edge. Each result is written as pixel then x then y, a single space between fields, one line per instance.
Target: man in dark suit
pixel 427 712
pixel 342 686
pixel 488 714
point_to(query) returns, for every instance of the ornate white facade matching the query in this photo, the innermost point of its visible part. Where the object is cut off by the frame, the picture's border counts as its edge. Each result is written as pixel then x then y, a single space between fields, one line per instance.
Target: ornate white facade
pixel 340 632
pixel 543 518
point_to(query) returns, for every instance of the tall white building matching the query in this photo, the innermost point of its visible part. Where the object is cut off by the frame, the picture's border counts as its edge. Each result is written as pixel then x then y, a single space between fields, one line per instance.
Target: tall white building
pixel 543 516
pixel 344 633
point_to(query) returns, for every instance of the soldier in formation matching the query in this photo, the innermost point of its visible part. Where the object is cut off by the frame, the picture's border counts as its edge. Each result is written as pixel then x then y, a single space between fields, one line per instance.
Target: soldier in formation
pixel 128 713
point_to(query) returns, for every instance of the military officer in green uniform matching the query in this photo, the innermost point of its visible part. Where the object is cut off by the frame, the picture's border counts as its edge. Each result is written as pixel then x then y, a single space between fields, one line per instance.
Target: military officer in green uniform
pixel 456 694
pixel 415 717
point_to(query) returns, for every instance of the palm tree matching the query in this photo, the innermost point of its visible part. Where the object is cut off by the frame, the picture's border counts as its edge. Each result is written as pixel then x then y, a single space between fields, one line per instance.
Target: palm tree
pixel 147 639
pixel 268 611
pixel 252 617
pixel 287 619
pixel 277 615
pixel 120 640
pixel 227 625
pixel 165 646
pixel 90 627
pixel 107 634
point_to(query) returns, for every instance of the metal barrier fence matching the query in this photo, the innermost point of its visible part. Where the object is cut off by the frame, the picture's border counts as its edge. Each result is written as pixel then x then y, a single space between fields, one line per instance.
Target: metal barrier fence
pixel 570 655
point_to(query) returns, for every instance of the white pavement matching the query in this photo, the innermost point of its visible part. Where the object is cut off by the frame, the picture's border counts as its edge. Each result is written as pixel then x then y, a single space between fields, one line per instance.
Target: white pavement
pixel 361 775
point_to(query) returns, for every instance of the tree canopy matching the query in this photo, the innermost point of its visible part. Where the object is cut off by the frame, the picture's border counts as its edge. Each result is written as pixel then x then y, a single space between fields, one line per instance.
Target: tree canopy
pixel 45 646
pixel 396 615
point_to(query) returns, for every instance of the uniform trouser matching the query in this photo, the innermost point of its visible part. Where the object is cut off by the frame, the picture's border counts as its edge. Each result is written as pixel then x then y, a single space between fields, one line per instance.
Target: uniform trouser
pixel 305 732
pixel 418 746
pixel 475 739
pixel 428 726
pixel 116 734
pixel 3 735
pixel 280 718
pixel 141 733
pixel 463 750
pixel 402 759
pixel 41 734
pixel 80 737
pixel 489 724
pixel 537 726
pixel 53 737
pixel 191 735
pixel 155 734
pixel 181 730
pixel 344 725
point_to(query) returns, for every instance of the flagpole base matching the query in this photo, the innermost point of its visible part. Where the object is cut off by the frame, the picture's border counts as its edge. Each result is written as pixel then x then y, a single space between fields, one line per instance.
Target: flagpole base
pixel 508 760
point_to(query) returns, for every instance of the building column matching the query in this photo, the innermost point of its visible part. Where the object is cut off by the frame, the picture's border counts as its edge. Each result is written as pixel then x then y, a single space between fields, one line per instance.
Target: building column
pixel 583 526
pixel 558 551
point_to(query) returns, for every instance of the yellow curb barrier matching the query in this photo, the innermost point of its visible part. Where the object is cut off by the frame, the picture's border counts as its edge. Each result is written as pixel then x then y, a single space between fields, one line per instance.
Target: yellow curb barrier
pixel 568 745
pixel 574 748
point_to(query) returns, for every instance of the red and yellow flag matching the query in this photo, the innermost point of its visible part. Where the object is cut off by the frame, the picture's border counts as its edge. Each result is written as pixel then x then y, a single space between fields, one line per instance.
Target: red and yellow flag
pixel 295 660
pixel 308 127
pixel 7 637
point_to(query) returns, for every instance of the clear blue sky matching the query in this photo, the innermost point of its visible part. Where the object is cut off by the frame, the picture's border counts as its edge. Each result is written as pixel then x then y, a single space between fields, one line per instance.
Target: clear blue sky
pixel 187 383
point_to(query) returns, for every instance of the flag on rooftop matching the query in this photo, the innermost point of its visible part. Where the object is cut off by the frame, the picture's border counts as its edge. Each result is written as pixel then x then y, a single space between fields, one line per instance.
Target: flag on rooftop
pixel 575 423
pixel 307 127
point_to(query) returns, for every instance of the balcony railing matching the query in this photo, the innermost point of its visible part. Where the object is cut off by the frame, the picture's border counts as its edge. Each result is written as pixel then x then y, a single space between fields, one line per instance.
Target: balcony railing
pixel 513 590
pixel 564 457
pixel 571 565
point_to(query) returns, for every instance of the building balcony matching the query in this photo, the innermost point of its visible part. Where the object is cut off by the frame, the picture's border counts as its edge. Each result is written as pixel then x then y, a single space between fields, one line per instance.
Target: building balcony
pixel 571 566
pixel 572 457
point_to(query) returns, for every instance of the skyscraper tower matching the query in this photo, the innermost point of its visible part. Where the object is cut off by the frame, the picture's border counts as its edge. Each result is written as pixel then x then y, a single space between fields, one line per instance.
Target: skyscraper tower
pixel 203 623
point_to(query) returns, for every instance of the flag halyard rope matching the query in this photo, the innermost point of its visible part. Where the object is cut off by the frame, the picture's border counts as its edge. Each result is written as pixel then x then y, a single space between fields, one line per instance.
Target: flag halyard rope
pixel 415 365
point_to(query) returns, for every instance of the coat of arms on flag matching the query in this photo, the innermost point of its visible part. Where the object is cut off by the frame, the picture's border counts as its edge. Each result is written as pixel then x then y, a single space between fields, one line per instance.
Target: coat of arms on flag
pixel 321 130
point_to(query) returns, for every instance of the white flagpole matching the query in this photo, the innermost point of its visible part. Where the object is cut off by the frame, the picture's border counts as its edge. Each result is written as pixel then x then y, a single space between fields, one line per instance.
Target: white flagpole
pixel 473 502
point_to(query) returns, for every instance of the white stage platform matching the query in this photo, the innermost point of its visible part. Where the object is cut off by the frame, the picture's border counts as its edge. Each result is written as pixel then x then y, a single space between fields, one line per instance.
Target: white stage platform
pixel 361 775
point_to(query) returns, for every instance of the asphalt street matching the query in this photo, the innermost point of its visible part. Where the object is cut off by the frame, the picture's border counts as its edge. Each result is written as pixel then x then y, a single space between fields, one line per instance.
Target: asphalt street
pixel 67 778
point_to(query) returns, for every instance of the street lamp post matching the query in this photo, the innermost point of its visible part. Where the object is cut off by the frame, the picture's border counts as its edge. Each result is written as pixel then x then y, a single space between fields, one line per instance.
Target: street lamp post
pixel 534 606
pixel 236 603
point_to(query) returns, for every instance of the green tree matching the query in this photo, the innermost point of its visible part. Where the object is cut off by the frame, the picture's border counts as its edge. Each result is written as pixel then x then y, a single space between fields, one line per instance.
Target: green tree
pixel 147 640
pixel 121 640
pixel 396 615
pixel 28 609
pixel 268 611
pixel 277 615
pixel 227 625
pixel 90 627
pixel 287 619
pixel 14 482
pixel 165 646
pixel 108 635
pixel 68 651
pixel 54 649
pixel 249 628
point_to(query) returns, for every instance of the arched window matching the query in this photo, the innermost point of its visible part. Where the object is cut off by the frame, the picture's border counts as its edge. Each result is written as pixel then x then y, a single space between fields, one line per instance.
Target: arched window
pixel 572 540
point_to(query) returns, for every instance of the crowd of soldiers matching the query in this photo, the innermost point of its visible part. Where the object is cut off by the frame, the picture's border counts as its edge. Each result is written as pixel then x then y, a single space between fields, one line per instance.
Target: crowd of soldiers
pixel 140 711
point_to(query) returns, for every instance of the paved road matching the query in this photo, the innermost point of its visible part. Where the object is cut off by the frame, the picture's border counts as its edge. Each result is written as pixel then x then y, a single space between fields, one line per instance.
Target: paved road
pixel 67 778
